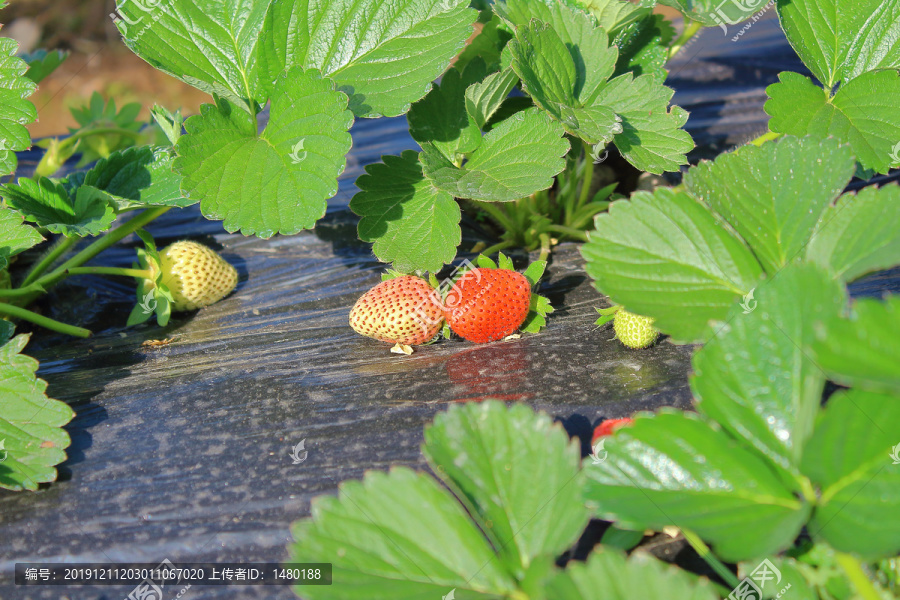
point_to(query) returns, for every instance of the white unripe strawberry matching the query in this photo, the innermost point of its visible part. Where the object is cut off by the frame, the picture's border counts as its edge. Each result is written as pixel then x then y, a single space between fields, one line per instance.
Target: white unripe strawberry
pixel 195 275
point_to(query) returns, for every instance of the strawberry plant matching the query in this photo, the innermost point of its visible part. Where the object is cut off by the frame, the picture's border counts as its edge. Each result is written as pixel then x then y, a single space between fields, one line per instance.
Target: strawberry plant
pixel 504 503
pixel 771 464
pixel 683 257
pixel 91 204
pixel 760 471
pixel 102 130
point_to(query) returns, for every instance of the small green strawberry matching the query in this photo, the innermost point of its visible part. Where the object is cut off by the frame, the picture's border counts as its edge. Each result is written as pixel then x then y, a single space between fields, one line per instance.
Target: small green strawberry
pixel 404 310
pixel 488 303
pixel 634 331
pixel 195 275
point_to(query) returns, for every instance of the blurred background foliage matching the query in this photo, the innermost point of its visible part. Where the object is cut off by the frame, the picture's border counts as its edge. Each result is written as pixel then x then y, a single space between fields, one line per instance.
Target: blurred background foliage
pixel 99 62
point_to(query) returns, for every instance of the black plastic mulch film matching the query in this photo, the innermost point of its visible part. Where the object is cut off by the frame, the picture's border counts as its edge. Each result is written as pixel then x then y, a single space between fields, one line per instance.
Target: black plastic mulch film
pixel 184 452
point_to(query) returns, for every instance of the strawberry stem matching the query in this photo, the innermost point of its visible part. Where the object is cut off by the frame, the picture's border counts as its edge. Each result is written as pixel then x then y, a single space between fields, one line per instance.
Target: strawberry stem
pixel 586 180
pixel 103 243
pixel 497 247
pixel 72 139
pixel 769 135
pixel 47 281
pixel 60 247
pixel 578 234
pixel 706 554
pixel 545 246
pixel 857 576
pixel 22 291
pixel 138 273
pixel 25 314
pixel 690 30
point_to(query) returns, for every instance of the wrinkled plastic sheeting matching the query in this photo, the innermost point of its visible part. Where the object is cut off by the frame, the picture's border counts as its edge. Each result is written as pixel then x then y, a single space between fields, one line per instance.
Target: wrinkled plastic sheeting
pixel 183 452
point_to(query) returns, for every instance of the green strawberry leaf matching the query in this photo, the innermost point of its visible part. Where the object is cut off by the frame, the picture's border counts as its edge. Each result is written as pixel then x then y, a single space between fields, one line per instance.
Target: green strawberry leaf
pixel 773 195
pixel 563 78
pixel 535 271
pixel 15 109
pixel 15 236
pixel 487 45
pixel 606 314
pixel 652 139
pixel 666 256
pixel 858 235
pixel 277 181
pixel 537 315
pixel 863 112
pixel 96 116
pixel 32 441
pixel 518 157
pixel 412 224
pixel 716 12
pixel 798 580
pixel 623 539
pixel 614 16
pixel 48 204
pixel 644 46
pixel 673 468
pixel 483 261
pixel 390 511
pixel 137 177
pixel 862 350
pixel 839 41
pixel 518 473
pixel 42 63
pixel 170 124
pixel 755 377
pixel 609 575
pixel 207 44
pixel 484 99
pixel 505 262
pixel 852 455
pixel 592 57
pixel 375 51
pixel 440 118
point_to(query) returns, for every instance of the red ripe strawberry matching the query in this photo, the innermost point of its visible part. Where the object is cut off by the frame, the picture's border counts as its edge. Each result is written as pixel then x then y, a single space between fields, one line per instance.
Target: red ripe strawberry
pixel 403 310
pixel 487 304
pixel 609 426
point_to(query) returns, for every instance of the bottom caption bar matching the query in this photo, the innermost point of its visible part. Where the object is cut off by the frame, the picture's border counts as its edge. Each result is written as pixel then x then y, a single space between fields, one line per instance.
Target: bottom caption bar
pixel 168 574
